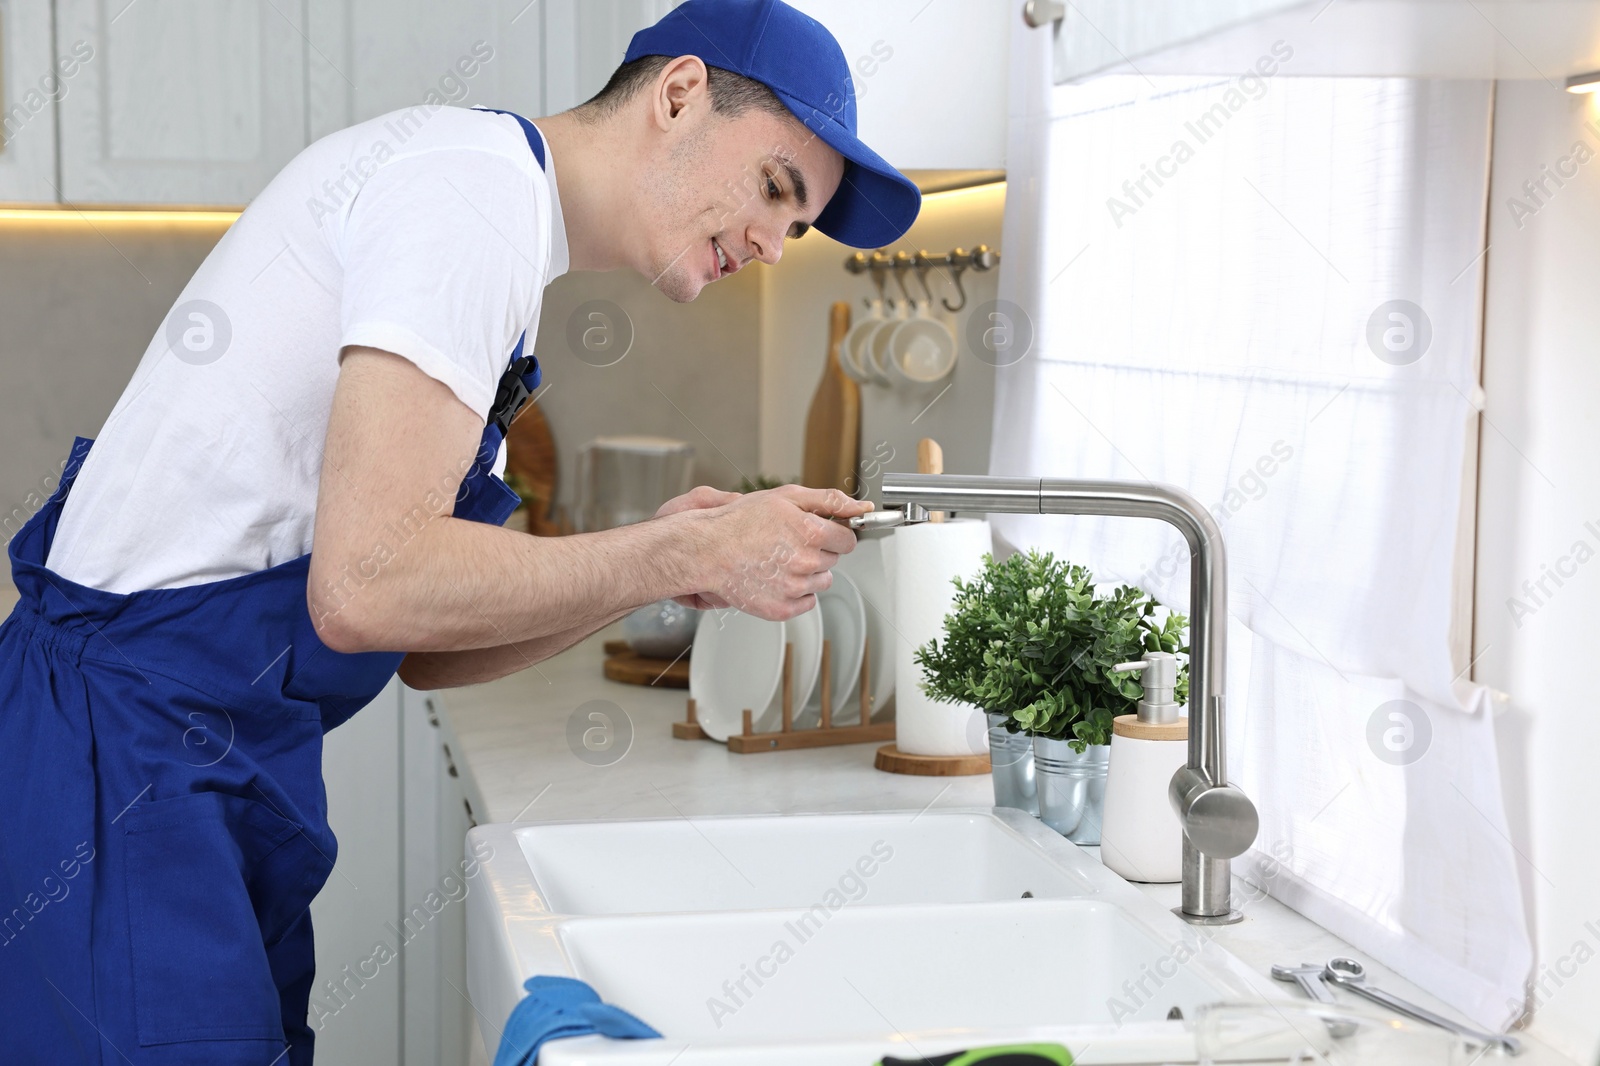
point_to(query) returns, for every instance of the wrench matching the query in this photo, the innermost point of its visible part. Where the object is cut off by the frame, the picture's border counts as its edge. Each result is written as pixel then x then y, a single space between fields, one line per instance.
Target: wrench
pixel 1308 975
pixel 1348 973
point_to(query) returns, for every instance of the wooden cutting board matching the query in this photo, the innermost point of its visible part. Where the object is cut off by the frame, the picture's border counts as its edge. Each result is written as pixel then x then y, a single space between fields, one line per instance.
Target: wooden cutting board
pixel 833 425
pixel 531 455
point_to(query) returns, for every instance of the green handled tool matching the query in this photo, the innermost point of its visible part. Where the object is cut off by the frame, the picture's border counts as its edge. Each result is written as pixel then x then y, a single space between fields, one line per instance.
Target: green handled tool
pixel 1002 1055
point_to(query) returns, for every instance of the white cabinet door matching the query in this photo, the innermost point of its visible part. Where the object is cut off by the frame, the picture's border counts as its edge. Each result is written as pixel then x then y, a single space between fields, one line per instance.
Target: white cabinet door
pixel 31 84
pixel 456 1023
pixel 186 101
pixel 438 1016
pixel 930 76
pixel 370 57
pixel 357 997
pixel 588 39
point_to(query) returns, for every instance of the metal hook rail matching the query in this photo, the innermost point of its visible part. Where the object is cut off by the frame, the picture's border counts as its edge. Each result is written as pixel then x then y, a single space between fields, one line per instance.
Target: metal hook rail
pixel 880 264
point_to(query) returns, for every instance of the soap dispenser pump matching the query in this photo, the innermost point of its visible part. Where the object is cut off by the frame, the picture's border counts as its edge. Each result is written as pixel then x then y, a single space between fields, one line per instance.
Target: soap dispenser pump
pixel 1141 838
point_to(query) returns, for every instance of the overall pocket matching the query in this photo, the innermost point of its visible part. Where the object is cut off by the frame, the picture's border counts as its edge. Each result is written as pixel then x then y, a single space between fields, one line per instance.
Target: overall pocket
pixel 212 879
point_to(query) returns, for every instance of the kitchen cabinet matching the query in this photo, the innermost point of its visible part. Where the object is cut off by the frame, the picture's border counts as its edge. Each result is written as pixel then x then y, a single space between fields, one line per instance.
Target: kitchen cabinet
pixel 370 57
pixel 588 41
pixel 930 77
pixel 201 102
pixel 184 102
pixel 391 920
pixel 31 83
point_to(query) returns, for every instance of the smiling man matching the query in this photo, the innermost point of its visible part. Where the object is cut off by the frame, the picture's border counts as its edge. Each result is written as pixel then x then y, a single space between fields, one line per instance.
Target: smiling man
pixel 295 499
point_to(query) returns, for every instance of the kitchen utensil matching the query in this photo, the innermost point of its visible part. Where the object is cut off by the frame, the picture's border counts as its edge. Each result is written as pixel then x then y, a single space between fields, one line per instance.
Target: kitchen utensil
pixel 531 456
pixel 833 425
pixel 1348 973
pixel 736 663
pixel 922 348
pixel 875 352
pixel 864 567
pixel 930 460
pixel 844 627
pixel 660 630
pixel 851 351
pixel 804 631
pixel 623 664
pixel 622 480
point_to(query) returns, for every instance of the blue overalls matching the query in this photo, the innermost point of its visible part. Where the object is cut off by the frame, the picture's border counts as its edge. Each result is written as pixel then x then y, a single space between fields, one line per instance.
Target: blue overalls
pixel 163 824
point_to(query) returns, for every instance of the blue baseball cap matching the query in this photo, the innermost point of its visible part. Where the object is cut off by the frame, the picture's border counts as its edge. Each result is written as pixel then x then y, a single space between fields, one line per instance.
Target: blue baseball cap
pixel 796 57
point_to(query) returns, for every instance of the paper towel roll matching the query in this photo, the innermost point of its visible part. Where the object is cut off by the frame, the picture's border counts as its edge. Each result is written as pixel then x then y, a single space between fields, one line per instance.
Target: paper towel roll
pixel 923 561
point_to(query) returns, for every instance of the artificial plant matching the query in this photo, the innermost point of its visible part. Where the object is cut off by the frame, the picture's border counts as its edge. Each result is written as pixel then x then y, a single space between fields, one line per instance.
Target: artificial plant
pixel 1031 638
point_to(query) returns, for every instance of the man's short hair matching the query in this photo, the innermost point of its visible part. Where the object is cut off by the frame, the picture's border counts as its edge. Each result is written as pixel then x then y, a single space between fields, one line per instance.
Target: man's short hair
pixel 731 94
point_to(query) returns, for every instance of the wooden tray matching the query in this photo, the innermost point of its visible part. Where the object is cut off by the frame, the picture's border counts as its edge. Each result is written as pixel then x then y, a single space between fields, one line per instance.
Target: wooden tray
pixel 621 664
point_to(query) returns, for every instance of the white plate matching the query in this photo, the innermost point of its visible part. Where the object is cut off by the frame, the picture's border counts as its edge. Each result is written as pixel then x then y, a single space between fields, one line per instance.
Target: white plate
pixel 866 567
pixel 844 627
pixel 805 633
pixel 736 664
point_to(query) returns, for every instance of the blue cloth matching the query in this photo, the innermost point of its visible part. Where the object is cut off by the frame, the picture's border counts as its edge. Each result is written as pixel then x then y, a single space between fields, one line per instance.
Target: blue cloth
pixel 557 1008
pixel 163 823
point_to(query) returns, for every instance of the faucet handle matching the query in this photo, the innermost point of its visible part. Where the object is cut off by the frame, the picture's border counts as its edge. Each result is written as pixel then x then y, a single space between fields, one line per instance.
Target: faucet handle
pixel 1219 820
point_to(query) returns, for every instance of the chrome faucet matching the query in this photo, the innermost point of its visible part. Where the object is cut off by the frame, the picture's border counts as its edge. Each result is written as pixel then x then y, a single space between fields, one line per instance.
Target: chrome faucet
pixel 1219 821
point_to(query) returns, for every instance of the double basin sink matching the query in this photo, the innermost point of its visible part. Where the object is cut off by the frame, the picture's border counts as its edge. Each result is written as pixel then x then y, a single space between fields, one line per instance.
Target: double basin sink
pixel 838 938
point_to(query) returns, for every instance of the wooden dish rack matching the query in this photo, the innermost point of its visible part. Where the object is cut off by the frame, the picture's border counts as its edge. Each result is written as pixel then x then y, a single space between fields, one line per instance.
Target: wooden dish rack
pixel 825 734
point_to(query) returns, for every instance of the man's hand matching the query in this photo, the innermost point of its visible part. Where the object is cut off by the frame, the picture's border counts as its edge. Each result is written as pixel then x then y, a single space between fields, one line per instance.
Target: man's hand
pixel 700 498
pixel 768 553
pixel 696 499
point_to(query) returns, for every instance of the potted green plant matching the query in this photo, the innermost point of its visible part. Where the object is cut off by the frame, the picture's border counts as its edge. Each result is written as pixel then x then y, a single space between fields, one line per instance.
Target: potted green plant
pixel 1032 642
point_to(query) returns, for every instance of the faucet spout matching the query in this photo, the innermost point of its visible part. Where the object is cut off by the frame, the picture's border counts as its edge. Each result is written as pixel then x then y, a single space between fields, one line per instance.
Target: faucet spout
pixel 1219 821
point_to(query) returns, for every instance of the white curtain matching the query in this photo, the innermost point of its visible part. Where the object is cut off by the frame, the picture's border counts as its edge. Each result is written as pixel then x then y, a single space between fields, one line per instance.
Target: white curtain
pixel 1267 291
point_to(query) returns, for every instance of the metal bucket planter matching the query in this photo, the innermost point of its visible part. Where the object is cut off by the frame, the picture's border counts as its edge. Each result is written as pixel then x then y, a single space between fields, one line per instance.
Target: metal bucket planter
pixel 1071 787
pixel 1011 766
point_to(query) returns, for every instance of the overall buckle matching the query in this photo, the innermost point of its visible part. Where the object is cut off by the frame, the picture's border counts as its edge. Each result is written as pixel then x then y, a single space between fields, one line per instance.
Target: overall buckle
pixel 511 395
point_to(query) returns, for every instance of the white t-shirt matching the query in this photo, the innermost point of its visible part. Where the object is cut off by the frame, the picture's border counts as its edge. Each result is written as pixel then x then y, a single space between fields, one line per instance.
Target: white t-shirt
pixel 430 233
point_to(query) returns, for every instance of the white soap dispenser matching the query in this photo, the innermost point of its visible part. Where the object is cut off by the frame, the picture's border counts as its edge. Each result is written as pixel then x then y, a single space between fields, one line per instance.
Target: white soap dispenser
pixel 1141 838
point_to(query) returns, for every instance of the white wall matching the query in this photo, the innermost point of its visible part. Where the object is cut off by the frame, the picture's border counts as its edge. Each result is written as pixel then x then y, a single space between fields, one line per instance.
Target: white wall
pixel 796 295
pixel 1539 490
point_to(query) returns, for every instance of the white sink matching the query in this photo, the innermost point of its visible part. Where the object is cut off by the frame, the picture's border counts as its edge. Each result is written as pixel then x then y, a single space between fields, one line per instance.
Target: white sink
pixel 825 939
pixel 793 975
pixel 722 864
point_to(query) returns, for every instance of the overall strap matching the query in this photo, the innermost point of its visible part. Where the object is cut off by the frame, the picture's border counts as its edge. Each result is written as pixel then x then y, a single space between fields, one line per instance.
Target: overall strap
pixel 484 497
pixel 522 375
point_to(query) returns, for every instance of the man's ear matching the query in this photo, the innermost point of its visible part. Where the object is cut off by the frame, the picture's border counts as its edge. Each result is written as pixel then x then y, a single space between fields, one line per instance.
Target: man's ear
pixel 681 86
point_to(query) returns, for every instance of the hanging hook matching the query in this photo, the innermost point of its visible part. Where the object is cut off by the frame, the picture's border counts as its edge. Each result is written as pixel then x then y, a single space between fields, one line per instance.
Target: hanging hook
pixel 924 263
pixel 902 263
pixel 959 261
pixel 878 281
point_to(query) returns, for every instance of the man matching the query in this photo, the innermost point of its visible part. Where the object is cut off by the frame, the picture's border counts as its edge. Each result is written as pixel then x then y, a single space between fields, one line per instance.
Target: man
pixel 292 501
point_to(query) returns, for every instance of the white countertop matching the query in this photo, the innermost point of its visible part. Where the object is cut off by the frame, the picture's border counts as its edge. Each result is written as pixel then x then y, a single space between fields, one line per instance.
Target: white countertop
pixel 511 736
